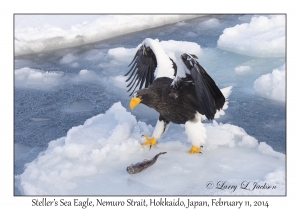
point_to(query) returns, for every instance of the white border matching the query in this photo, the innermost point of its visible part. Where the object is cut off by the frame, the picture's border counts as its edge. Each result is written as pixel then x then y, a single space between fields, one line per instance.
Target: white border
pixel 148 6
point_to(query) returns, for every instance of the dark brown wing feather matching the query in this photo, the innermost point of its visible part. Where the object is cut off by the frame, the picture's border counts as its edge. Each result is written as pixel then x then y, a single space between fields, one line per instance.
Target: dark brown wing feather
pixel 208 95
pixel 142 69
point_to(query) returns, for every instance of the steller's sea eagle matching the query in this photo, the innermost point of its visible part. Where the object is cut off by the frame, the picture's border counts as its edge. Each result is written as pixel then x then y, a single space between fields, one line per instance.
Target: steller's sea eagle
pixel 179 89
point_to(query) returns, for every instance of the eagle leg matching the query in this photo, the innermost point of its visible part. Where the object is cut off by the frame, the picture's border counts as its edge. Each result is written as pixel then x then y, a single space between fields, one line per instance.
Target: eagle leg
pixel 151 141
pixel 160 128
pixel 196 133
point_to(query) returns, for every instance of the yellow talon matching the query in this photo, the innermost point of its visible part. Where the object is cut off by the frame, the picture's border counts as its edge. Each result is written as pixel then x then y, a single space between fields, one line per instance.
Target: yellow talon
pixel 151 141
pixel 194 150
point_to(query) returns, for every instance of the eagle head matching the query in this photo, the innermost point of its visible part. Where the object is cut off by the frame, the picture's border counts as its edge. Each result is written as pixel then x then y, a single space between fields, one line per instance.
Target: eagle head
pixel 144 96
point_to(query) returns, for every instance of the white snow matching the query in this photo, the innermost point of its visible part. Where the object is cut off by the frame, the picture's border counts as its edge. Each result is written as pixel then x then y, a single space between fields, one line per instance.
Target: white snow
pixel 272 85
pixel 242 70
pixel 39 33
pixel 92 159
pixel 39 79
pixel 68 59
pixel 213 22
pixel 85 75
pixel 122 54
pixel 34 78
pixel 262 37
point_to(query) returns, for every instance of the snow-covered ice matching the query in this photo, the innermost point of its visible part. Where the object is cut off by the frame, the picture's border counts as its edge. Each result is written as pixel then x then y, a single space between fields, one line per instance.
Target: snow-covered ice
pixel 39 33
pixel 213 22
pixel 262 37
pixel 34 78
pixel 272 85
pixel 92 159
pixel 75 135
pixel 241 70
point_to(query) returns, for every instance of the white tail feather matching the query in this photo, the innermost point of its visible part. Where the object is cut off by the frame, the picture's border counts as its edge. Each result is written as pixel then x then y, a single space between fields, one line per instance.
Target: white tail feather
pixel 226 92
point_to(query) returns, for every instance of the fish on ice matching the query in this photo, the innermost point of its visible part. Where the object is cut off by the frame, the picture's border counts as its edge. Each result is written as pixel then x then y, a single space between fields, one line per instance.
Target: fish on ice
pixel 140 166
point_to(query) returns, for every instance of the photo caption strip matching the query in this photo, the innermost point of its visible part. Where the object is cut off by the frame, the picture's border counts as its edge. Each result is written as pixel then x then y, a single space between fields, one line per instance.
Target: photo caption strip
pixel 187 203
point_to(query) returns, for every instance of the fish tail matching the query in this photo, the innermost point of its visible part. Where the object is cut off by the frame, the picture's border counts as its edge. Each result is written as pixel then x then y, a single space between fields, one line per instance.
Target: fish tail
pixel 161 153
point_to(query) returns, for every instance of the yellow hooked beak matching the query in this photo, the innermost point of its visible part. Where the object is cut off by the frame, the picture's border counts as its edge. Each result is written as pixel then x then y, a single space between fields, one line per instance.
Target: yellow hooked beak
pixel 134 102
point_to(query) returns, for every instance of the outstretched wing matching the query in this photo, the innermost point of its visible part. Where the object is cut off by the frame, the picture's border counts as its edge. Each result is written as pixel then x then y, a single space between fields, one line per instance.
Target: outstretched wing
pixel 150 62
pixel 208 95
pixel 142 69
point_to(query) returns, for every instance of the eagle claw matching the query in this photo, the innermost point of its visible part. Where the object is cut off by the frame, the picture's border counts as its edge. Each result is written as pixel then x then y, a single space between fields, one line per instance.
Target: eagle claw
pixel 150 141
pixel 194 150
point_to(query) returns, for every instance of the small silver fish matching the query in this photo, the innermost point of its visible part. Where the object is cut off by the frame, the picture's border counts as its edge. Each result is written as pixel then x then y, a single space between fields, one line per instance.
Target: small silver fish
pixel 138 167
